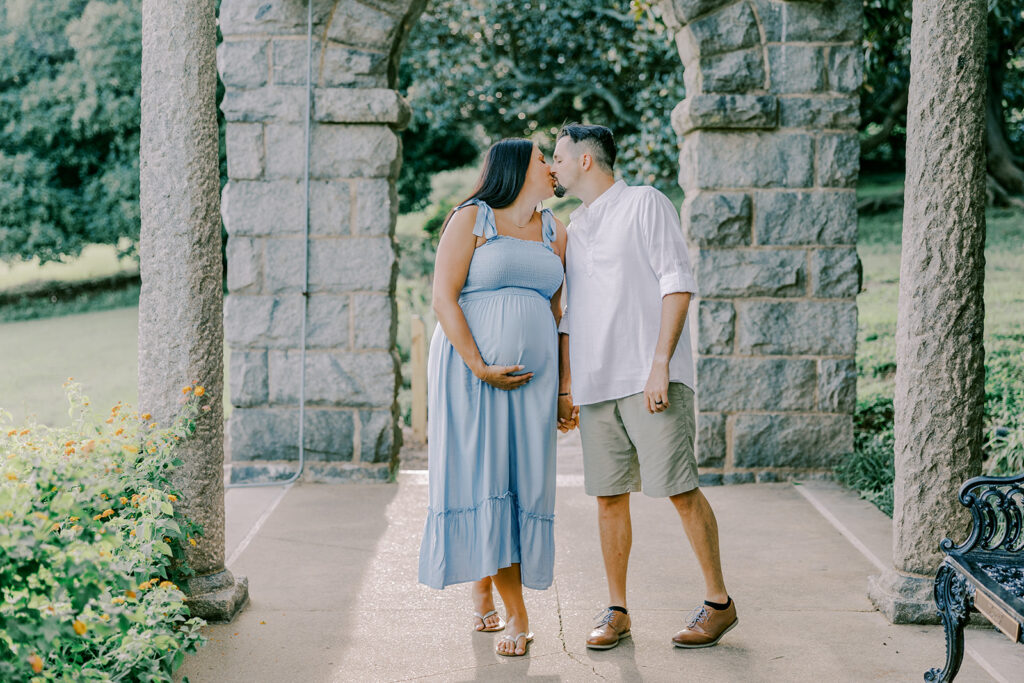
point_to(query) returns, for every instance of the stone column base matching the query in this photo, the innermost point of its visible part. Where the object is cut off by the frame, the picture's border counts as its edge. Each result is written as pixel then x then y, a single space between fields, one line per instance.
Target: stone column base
pixel 904 598
pixel 217 598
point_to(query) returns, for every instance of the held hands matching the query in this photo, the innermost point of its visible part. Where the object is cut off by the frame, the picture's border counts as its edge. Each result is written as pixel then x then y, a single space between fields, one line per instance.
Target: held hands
pixel 502 377
pixel 656 389
pixel 568 414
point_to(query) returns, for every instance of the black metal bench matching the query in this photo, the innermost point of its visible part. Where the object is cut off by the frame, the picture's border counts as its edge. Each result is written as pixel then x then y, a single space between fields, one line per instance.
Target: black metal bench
pixel 986 572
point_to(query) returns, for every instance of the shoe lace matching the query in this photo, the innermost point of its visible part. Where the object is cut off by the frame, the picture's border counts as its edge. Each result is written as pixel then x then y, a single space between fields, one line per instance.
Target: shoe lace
pixel 697 615
pixel 604 617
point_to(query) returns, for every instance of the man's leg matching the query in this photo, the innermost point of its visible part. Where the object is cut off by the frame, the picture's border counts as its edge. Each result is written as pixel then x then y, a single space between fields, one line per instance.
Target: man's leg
pixel 616 540
pixel 702 530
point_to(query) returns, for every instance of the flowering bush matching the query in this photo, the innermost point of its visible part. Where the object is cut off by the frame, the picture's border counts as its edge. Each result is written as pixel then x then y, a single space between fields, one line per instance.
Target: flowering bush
pixel 91 547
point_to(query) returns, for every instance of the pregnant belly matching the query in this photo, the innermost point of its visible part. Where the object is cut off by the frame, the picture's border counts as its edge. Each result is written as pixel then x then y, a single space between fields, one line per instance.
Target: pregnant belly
pixel 514 330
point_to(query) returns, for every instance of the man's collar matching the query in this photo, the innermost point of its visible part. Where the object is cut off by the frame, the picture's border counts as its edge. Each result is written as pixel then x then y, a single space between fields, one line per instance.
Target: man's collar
pixel 602 199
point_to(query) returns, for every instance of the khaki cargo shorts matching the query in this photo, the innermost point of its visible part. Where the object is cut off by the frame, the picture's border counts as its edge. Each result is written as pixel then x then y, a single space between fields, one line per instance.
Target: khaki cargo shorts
pixel 624 445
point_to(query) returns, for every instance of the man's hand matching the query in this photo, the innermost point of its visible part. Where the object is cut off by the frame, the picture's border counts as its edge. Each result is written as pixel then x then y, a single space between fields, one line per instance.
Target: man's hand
pixel 568 414
pixel 656 389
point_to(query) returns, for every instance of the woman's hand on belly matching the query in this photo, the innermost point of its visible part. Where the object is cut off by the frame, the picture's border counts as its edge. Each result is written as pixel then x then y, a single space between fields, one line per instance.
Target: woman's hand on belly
pixel 502 377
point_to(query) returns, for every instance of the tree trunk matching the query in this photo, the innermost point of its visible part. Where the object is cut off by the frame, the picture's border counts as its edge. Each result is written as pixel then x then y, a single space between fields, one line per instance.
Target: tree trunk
pixel 940 375
pixel 1002 163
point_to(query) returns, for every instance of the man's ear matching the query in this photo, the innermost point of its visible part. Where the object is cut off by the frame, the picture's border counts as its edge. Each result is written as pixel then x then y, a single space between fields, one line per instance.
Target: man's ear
pixel 586 161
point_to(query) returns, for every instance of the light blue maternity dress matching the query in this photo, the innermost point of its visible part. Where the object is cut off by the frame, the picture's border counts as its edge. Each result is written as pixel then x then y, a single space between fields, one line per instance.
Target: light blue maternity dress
pixel 491 452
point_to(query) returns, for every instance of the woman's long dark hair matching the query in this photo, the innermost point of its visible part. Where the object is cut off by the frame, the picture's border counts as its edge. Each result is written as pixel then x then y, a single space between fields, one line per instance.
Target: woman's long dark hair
pixel 503 174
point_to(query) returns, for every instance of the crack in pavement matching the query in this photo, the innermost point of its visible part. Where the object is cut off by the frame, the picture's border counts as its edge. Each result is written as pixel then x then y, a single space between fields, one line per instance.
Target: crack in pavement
pixel 561 634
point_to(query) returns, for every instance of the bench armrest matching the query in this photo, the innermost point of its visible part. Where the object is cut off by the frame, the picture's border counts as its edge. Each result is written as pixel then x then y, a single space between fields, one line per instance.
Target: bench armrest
pixel 997 510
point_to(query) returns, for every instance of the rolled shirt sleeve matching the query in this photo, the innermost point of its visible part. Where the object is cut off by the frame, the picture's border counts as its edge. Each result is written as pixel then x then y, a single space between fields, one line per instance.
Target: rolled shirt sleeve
pixel 563 324
pixel 666 248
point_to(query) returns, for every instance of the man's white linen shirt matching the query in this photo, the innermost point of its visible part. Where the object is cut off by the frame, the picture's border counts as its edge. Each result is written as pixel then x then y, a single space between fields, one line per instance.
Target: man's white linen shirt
pixel 625 252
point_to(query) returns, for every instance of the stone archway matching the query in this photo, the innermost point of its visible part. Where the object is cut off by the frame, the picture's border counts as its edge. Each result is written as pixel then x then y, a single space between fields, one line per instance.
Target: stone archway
pixel 769 166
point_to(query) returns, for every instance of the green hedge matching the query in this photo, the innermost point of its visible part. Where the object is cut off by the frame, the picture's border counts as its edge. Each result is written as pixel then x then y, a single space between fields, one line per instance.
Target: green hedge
pixel 91 547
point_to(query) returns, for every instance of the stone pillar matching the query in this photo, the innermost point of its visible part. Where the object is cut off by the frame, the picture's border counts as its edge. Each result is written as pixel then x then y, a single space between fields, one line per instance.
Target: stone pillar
pixel 769 164
pixel 351 428
pixel 180 326
pixel 940 370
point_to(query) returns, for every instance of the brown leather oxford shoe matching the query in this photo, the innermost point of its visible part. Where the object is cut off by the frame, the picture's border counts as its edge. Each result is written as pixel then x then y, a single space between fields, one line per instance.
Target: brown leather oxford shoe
pixel 612 626
pixel 706 626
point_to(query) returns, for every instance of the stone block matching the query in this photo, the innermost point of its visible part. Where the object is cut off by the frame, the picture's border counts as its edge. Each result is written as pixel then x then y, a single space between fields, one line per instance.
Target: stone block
pixel 335 265
pixel 376 207
pixel 244 144
pixel 273 434
pixel 260 16
pixel 794 218
pixel 835 273
pixel 845 68
pixel 375 321
pixel 337 151
pixel 819 22
pixel 737 384
pixel 796 328
pixel 686 11
pixel 357 24
pixel 736 272
pixel 243 63
pixel 806 441
pixel 838 159
pixel 265 104
pixel 732 28
pixel 361 105
pixel 327 321
pixel 796 68
pixel 245 264
pixel 717 219
pixel 732 72
pixel 715 160
pixel 342 66
pixel 330 207
pixel 248 377
pixel 837 385
pixel 709 479
pixel 263 207
pixel 715 327
pixel 710 440
pixel 263 321
pixel 820 111
pixel 730 478
pixel 725 111
pixel 334 378
pixel 379 434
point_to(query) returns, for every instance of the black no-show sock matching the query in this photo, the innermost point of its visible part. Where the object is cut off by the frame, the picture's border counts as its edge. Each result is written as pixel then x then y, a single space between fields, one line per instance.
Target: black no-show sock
pixel 618 609
pixel 719 606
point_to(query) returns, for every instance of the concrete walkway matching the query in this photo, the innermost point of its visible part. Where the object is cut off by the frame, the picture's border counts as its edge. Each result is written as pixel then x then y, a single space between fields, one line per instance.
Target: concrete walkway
pixel 332 575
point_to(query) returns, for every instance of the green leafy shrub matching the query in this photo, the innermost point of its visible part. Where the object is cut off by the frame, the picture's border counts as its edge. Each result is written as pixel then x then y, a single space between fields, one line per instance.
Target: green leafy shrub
pixel 91 547
pixel 870 469
pixel 1004 412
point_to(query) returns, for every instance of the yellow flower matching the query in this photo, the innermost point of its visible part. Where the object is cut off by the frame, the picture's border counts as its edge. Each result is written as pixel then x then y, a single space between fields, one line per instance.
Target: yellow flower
pixel 186 390
pixel 119 432
pixel 118 601
pixel 123 500
pixel 105 617
pixel 12 432
pixel 103 496
pixel 130 595
pixel 97 518
pixel 145 585
pixel 192 542
pixel 36 663
pixel 69 443
pixel 77 527
pixel 12 476
pixel 147 416
pixel 152 425
pixel 200 391
pixel 135 498
pixel 173 498
pixel 79 627
pixel 55 527
pixel 73 519
pixel 168 584
pixel 130 448
pixel 108 512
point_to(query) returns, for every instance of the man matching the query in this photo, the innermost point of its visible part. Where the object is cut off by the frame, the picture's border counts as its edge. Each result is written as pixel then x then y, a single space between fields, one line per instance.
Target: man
pixel 627 372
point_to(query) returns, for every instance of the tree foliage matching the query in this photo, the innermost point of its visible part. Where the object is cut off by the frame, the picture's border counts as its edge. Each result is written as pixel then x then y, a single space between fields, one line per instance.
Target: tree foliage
pixel 478 70
pixel 70 73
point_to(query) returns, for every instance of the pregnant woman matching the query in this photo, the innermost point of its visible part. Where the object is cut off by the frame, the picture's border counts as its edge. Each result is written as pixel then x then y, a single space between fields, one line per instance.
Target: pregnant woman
pixel 493 385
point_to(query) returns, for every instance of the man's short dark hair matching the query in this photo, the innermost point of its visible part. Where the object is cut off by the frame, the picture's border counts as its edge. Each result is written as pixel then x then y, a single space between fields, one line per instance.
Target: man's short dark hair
pixel 598 138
